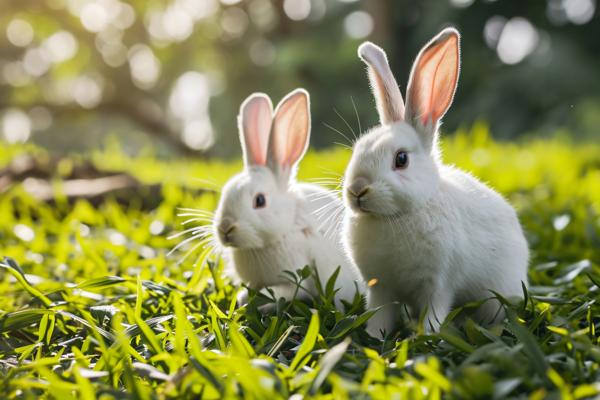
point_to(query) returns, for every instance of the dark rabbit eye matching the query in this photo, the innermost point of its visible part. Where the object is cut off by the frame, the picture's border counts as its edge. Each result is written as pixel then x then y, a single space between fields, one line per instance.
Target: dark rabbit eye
pixel 260 201
pixel 401 159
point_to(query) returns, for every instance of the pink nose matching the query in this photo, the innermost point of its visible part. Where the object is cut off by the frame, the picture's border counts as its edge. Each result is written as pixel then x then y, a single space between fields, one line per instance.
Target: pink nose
pixel 226 226
pixel 359 187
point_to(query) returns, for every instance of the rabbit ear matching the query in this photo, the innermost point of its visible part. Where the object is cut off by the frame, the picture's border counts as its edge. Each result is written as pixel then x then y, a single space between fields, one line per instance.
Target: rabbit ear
pixel 433 81
pixel 385 89
pixel 291 131
pixel 256 114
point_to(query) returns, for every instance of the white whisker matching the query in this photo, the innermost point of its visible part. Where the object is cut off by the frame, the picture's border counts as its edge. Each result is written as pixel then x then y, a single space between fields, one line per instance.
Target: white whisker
pixel 195 229
pixel 198 219
pixel 188 214
pixel 329 217
pixel 324 207
pixel 185 241
pixel 339 132
pixel 324 180
pixel 196 210
pixel 190 251
pixel 319 196
pixel 213 185
pixel 346 122
pixel 343 145
pixel 357 117
pixel 336 221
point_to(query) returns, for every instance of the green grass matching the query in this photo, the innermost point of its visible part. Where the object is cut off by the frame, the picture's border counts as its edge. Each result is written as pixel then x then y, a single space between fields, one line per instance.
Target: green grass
pixel 91 306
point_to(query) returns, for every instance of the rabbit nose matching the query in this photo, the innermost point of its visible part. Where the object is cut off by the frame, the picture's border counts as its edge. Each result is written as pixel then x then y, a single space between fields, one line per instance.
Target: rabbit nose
pixel 359 187
pixel 226 226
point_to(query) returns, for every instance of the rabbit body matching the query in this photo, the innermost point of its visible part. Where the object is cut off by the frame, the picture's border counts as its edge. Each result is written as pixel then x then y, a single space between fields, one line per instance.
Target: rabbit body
pixel 458 246
pixel 302 243
pixel 425 234
pixel 266 221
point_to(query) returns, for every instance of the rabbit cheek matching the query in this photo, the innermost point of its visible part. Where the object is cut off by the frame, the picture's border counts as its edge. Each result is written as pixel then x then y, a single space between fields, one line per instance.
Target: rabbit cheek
pixel 245 236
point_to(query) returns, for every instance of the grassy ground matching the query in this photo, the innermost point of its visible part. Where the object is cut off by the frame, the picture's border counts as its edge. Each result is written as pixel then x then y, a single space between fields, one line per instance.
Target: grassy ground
pixel 91 305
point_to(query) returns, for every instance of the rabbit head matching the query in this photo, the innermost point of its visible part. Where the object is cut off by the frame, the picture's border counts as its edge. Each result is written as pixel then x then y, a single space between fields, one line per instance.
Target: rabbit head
pixel 394 166
pixel 257 207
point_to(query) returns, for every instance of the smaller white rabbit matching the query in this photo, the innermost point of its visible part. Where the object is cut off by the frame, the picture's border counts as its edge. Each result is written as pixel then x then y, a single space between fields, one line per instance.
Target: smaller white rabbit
pixel 266 220
pixel 425 234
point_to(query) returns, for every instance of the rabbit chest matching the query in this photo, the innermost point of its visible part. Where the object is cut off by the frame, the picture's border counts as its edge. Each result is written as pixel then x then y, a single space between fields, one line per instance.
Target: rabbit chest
pixel 263 267
pixel 402 256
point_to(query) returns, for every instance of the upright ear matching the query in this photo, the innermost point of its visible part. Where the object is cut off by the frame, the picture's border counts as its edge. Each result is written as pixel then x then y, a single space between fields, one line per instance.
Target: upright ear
pixel 385 89
pixel 254 122
pixel 433 81
pixel 291 132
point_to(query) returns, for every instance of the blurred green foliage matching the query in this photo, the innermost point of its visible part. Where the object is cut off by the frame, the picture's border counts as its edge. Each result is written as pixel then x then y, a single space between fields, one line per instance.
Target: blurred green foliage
pixel 72 71
pixel 92 305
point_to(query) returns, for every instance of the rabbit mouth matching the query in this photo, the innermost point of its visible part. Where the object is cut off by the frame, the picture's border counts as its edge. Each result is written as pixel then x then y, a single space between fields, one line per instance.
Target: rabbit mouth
pixel 228 243
pixel 359 205
pixel 227 239
pixel 240 239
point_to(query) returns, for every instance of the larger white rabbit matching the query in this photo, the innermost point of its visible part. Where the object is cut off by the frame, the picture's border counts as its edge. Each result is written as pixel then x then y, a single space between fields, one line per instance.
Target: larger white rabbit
pixel 425 234
pixel 265 219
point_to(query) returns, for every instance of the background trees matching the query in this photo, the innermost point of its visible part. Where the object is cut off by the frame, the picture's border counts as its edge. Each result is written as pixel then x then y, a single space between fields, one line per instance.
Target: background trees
pixel 172 73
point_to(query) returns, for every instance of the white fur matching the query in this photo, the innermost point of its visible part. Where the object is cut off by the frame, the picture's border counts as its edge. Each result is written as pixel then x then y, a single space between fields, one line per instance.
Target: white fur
pixel 282 236
pixel 429 236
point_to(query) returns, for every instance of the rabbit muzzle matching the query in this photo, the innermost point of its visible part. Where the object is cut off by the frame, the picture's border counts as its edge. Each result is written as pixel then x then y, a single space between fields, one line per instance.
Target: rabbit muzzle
pixel 226 229
pixel 357 191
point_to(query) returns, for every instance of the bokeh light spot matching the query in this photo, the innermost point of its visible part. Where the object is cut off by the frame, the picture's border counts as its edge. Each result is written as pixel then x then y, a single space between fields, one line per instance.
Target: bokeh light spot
pixel 189 103
pixel 262 53
pixel 36 61
pixel 199 9
pixel 87 92
pixel 263 14
pixel 61 46
pixel 234 21
pixel 24 232
pixel 461 3
pixel 579 12
pixel 177 23
pixel 19 32
pixel 16 126
pixel 198 134
pixel 144 66
pixel 518 39
pixel 297 10
pixel 94 17
pixel 358 24
pixel 190 95
pixel 493 29
pixel 125 17
pixel 14 74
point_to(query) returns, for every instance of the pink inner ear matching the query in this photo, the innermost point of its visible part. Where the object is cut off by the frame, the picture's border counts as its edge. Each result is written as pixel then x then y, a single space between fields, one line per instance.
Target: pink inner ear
pixel 435 78
pixel 291 127
pixel 256 127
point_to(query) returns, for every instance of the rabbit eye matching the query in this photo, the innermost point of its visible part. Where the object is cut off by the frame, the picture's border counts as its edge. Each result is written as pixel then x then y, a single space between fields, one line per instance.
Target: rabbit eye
pixel 401 159
pixel 260 201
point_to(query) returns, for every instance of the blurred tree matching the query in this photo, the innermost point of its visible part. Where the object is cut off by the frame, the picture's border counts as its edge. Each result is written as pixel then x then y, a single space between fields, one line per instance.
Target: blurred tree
pixel 72 71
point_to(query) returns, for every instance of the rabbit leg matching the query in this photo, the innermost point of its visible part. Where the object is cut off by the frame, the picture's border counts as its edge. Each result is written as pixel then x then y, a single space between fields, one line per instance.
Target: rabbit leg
pixel 384 319
pixel 287 291
pixel 242 297
pixel 437 310
pixel 490 313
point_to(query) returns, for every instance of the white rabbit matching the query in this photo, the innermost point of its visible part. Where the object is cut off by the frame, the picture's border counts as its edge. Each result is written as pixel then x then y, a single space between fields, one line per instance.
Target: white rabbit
pixel 265 219
pixel 425 234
